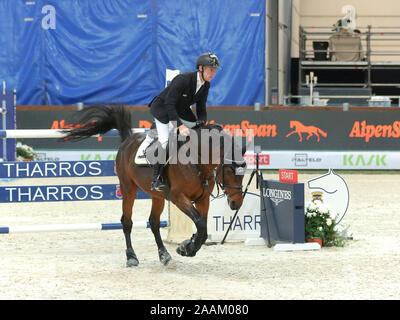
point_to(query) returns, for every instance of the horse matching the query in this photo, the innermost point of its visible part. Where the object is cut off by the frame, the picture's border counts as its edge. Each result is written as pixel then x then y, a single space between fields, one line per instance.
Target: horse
pixel 301 128
pixel 190 184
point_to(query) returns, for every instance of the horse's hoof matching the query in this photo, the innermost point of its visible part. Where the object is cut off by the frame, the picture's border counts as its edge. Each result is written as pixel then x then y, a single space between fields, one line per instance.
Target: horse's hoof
pixel 165 258
pixel 185 249
pixel 132 262
pixel 181 251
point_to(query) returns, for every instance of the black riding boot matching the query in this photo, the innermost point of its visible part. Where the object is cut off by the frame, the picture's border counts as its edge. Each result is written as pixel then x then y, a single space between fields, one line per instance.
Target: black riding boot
pixel 158 183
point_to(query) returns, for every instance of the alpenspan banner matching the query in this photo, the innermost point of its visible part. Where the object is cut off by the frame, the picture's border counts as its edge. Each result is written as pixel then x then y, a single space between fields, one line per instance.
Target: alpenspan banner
pixel 302 130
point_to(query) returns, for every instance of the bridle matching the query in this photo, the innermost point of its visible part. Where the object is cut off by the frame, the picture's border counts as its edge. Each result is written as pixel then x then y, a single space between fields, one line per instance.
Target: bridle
pixel 234 166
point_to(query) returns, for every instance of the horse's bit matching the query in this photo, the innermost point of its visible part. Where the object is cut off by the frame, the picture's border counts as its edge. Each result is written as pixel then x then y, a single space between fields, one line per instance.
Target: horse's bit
pixel 206 184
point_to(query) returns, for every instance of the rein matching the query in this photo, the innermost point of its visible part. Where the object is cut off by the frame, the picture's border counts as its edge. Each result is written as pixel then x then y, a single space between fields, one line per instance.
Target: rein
pixel 223 185
pixel 220 186
pixel 206 184
pixel 213 176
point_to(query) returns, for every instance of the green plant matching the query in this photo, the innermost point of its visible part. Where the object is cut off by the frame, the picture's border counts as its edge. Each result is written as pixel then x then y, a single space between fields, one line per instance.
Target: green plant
pixel 321 222
pixel 25 152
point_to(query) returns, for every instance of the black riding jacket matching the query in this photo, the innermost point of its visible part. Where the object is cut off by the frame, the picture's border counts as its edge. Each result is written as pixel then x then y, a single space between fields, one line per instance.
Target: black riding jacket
pixel 175 100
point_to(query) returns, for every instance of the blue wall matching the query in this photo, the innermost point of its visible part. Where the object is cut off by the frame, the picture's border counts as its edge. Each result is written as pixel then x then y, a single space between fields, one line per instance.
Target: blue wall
pixel 117 51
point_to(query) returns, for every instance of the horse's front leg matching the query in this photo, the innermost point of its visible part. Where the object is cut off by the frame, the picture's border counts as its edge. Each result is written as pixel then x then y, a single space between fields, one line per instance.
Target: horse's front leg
pixel 190 246
pixel 204 204
pixel 300 136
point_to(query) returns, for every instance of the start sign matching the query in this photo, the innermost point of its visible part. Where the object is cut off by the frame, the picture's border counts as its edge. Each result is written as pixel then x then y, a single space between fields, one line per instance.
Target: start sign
pixel 289 176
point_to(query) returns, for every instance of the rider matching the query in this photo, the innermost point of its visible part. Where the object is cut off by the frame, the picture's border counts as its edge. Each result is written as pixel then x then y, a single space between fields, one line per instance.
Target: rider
pixel 173 105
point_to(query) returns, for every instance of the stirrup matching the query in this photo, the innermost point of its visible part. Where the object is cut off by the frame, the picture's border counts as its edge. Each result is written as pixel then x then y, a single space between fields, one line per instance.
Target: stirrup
pixel 157 185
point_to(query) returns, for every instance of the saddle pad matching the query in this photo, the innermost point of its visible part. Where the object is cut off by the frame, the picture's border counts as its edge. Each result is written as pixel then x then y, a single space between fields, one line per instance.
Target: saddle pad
pixel 140 158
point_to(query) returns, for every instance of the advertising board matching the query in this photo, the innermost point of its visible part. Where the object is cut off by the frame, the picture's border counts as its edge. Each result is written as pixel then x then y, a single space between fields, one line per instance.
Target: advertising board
pixel 302 130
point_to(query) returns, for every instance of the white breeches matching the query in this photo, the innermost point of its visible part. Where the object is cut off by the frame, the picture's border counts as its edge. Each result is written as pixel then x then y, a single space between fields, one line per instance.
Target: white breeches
pixel 163 132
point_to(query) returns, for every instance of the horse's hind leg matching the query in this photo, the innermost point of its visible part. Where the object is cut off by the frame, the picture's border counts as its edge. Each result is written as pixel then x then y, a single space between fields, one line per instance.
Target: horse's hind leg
pixel 128 199
pixel 154 220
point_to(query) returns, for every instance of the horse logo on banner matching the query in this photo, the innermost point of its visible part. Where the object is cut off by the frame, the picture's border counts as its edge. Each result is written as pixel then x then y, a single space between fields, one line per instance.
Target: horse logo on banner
pixel 300 128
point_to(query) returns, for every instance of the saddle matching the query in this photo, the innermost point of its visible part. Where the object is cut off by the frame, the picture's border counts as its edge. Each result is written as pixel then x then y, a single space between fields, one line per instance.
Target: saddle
pixel 141 157
pixel 142 160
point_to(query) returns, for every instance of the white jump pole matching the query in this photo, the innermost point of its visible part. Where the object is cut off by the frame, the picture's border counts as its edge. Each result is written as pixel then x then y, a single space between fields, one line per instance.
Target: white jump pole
pixel 52 133
pixel 74 227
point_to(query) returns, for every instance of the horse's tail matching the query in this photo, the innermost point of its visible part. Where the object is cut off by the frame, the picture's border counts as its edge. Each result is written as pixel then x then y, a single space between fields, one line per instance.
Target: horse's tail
pixel 324 134
pixel 98 119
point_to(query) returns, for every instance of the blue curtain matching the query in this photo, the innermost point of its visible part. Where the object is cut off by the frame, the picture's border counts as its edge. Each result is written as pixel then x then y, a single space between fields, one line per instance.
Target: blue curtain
pixel 117 51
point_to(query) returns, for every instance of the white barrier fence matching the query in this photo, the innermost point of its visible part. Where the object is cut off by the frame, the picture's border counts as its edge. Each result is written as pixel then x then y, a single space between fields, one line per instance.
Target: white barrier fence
pixel 74 227
pixel 23 170
pixel 52 133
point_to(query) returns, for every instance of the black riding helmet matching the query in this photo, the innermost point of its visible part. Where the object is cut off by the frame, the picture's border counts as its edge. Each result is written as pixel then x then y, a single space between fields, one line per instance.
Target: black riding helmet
pixel 207 59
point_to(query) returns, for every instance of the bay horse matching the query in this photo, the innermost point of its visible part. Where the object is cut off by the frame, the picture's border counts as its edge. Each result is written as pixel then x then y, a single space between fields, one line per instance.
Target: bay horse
pixel 190 184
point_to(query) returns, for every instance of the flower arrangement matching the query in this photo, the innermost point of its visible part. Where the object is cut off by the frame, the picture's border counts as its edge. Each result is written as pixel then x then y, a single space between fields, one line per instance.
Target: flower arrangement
pixel 321 222
pixel 25 152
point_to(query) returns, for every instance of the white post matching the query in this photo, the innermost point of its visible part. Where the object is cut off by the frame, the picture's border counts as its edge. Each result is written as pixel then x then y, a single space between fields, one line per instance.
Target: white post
pixel 311 81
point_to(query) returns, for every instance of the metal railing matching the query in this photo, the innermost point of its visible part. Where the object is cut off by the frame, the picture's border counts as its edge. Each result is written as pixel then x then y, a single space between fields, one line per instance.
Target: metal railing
pixel 368 60
pixel 288 98
pixel 309 34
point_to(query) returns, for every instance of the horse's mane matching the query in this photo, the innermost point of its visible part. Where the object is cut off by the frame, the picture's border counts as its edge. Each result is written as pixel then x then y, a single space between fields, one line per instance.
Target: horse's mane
pixel 210 126
pixel 202 126
pixel 218 132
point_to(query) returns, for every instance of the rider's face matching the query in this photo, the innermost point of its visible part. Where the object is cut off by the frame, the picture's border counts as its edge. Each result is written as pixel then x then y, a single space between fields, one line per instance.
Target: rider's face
pixel 208 73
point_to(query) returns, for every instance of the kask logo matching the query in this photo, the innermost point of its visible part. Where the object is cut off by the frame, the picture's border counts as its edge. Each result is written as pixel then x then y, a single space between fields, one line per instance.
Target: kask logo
pixel 354 160
pixel 300 128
